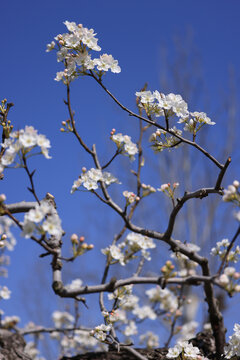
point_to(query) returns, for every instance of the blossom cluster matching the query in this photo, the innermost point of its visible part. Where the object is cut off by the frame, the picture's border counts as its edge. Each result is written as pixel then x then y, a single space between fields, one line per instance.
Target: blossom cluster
pixel 21 143
pixel 147 190
pixel 89 179
pixel 31 350
pixel 186 349
pixel 45 213
pixel 149 339
pixel 100 332
pixel 188 330
pixel 229 280
pixel 195 120
pixel 132 244
pixel 4 261
pixel 159 104
pixel 79 246
pixel 9 322
pixel 124 144
pixel 168 301
pixel 187 267
pixel 232 194
pixel 76 341
pixel 7 239
pixel 168 190
pixel 4 293
pixel 62 318
pixel 221 250
pixel 130 197
pixel 74 50
pixel 233 347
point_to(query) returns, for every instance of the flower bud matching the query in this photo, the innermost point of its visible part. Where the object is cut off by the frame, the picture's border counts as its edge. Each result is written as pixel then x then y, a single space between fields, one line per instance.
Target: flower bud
pixel 2 197
pixel 164 269
pixel 237 288
pixel 82 238
pixel 178 313
pixel 224 280
pixel 3 237
pixel 84 169
pixel 90 246
pixel 74 239
pixel 236 183
pixel 236 275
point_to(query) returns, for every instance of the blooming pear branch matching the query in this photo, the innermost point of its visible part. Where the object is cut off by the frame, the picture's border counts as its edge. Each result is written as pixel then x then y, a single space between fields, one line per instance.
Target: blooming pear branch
pixel 131 113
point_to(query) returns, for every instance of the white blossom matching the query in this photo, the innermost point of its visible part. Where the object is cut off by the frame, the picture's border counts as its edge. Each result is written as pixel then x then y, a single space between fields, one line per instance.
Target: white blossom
pixel 130 329
pixel 23 140
pixel 74 285
pixel 124 142
pixel 89 179
pixel 233 347
pixel 4 293
pixel 62 318
pixel 144 312
pixel 150 339
pixel 166 298
pixel 46 212
pixel 100 332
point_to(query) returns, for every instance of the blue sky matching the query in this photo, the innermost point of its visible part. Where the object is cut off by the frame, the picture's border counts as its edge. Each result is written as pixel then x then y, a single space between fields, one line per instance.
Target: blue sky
pixel 135 33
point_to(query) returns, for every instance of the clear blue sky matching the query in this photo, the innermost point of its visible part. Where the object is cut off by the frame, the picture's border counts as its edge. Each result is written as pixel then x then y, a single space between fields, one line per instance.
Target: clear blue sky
pixel 133 32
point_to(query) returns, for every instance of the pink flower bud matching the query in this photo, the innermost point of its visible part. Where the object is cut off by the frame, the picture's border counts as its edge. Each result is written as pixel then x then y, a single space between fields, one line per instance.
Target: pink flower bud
pixel 74 239
pixel 236 275
pixel 2 197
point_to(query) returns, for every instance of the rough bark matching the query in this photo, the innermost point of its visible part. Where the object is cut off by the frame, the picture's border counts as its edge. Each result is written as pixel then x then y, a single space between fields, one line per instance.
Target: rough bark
pixel 12 346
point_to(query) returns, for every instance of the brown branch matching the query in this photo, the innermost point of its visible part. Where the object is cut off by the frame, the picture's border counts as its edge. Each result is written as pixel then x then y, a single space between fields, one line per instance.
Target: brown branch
pixel 198 194
pixel 74 130
pixel 215 316
pixel 222 173
pixel 114 284
pixel 30 175
pixel 109 162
